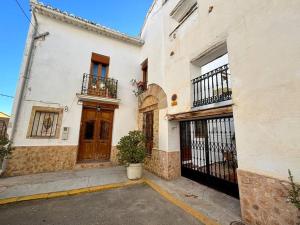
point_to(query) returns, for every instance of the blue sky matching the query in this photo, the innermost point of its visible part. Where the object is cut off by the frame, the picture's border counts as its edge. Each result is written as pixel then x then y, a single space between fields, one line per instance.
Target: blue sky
pixel 125 16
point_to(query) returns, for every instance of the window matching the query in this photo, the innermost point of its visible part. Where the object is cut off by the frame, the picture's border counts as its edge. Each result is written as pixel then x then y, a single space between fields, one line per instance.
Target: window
pixel 211 81
pixel 164 2
pixel 104 130
pixel 148 130
pixel 99 66
pixel 145 73
pixel 183 9
pixel 89 130
pixel 44 122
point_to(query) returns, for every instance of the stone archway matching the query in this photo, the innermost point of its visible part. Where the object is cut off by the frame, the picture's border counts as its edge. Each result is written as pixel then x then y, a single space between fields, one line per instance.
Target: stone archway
pixel 157 92
pixel 162 163
pixel 153 99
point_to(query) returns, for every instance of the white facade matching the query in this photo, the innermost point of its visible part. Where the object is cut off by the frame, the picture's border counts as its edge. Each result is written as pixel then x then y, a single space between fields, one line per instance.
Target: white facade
pixel 259 40
pixel 263 56
pixel 59 63
pixel 266 112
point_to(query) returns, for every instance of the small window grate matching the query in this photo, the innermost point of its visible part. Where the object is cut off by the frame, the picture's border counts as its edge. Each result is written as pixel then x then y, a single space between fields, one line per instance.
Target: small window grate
pixel 44 124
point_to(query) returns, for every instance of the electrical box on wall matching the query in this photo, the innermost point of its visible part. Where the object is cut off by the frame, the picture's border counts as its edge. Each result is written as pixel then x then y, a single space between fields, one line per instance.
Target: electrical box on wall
pixel 65 133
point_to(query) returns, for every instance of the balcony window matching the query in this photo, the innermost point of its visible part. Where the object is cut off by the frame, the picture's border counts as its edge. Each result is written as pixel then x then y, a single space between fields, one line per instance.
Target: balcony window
pixel 98 83
pixel 100 87
pixel 214 83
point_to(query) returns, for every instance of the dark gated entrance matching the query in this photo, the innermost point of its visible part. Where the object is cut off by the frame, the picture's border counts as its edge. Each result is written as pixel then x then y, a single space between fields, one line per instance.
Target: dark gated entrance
pixel 208 153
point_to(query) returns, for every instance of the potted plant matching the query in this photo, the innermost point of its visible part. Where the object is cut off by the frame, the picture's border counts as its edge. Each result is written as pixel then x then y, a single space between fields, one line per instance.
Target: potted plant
pixel 139 87
pixel 111 90
pixel 132 153
pixel 5 151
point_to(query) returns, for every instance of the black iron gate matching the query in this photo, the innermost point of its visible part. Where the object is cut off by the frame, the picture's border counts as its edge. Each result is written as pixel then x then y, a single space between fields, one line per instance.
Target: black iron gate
pixel 208 153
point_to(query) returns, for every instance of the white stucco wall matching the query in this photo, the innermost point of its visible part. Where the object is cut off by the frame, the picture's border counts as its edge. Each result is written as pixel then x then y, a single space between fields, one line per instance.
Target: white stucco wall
pixel 59 62
pixel 264 53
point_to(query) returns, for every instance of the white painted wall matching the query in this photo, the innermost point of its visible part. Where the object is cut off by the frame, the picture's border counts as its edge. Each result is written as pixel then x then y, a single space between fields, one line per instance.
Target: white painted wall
pixel 59 62
pixel 264 53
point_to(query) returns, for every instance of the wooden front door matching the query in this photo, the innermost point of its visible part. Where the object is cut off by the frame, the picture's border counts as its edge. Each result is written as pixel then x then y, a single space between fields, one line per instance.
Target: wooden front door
pixel 95 134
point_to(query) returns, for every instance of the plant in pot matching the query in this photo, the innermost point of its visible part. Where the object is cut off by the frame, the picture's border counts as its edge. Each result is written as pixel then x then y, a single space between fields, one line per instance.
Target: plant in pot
pixel 132 153
pixel 139 87
pixel 5 151
pixel 111 89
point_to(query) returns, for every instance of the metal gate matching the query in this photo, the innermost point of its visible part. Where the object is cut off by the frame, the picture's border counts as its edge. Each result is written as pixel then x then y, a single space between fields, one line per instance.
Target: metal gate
pixel 208 153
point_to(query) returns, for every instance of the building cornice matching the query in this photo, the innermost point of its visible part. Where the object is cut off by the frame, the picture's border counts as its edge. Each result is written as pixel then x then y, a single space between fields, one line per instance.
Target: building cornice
pixel 83 23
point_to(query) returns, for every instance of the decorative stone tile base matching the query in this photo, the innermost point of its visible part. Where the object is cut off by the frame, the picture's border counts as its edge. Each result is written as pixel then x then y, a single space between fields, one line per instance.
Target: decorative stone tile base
pixel 37 159
pixel 164 164
pixel 264 200
pixel 113 155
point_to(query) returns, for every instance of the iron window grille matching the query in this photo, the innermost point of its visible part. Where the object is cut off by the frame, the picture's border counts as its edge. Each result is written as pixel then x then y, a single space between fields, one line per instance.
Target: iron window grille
pixel 44 124
pixel 212 87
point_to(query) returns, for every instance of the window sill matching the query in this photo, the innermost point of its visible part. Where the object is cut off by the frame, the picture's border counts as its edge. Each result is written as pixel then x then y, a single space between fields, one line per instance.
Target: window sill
pixel 213 105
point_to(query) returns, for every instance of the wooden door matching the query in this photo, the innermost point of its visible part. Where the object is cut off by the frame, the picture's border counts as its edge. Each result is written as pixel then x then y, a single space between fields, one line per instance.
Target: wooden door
pixel 95 134
pixel 104 135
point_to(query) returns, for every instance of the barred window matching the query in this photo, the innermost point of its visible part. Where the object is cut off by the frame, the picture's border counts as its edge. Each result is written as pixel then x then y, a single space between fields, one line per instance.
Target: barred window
pixel 44 123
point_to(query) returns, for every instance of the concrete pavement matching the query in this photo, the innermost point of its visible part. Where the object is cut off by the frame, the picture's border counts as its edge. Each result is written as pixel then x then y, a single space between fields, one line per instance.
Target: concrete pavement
pixel 211 203
pixel 137 204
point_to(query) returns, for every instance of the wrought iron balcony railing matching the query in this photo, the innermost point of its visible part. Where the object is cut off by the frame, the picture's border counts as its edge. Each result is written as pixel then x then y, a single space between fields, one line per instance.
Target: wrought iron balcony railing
pixel 98 86
pixel 212 87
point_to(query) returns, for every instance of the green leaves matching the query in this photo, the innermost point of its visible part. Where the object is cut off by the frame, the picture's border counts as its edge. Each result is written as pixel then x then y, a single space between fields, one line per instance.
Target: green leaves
pixel 294 192
pixel 132 148
pixel 5 148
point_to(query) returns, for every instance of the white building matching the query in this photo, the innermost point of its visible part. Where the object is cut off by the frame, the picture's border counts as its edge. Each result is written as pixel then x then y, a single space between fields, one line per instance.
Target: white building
pixel 202 116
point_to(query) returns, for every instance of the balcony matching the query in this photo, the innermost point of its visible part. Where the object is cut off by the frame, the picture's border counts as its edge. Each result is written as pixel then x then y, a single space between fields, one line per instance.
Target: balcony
pixel 212 87
pixel 99 87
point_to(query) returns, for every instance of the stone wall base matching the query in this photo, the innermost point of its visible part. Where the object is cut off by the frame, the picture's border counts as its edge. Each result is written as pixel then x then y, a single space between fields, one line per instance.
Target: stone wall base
pixel 164 164
pixel 37 159
pixel 113 155
pixel 264 200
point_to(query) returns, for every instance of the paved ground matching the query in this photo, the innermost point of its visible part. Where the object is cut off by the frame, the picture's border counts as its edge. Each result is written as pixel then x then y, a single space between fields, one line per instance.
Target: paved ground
pixel 137 204
pixel 209 202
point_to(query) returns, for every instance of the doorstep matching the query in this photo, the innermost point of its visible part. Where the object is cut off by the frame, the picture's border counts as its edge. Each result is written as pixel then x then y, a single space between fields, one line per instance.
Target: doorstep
pixel 93 164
